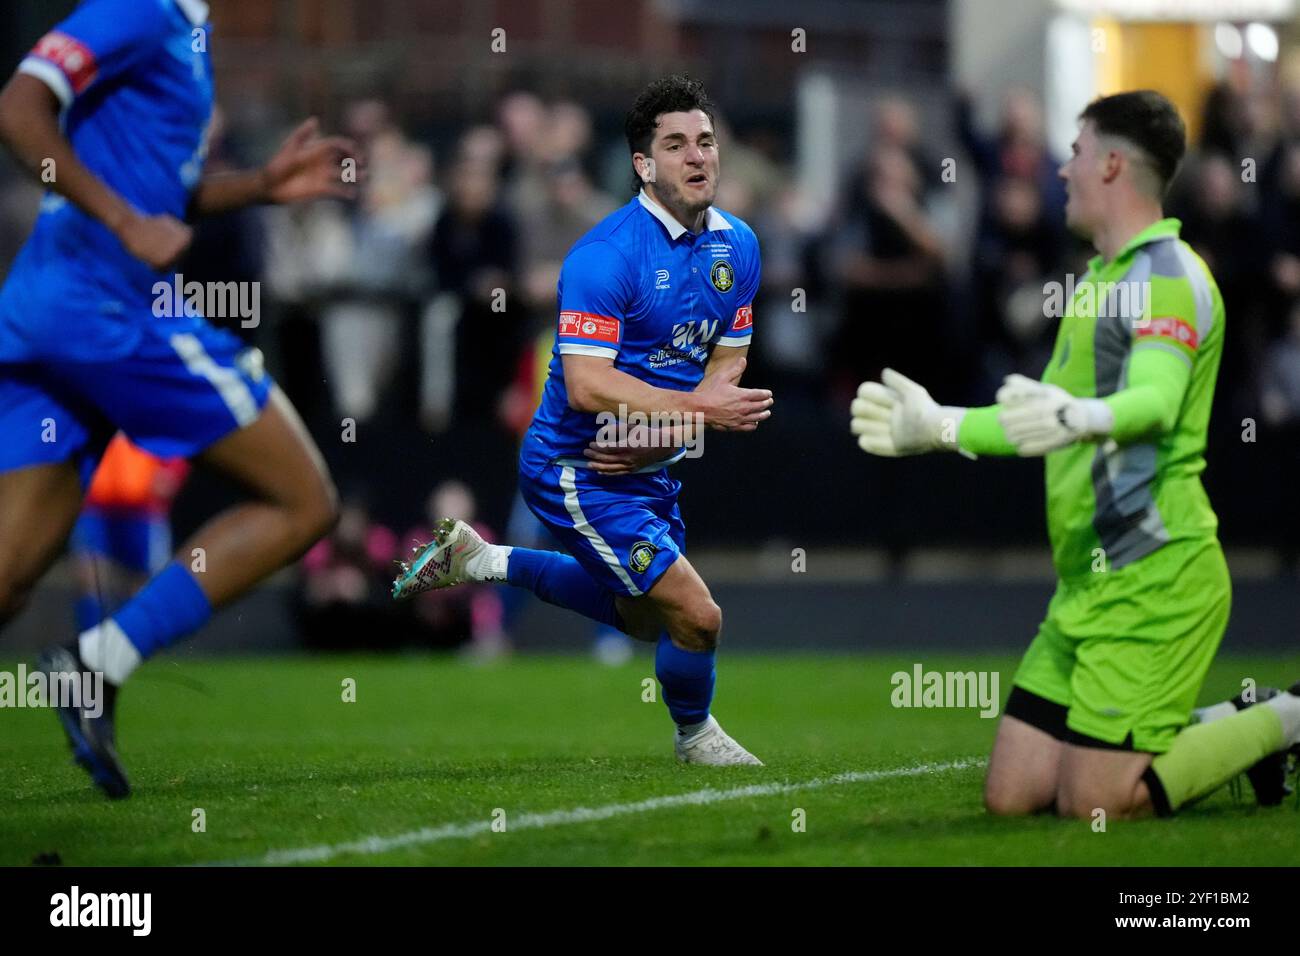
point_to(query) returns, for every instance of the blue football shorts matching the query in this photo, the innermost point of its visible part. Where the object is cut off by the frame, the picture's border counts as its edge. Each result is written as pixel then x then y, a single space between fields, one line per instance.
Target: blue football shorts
pixel 625 530
pixel 175 394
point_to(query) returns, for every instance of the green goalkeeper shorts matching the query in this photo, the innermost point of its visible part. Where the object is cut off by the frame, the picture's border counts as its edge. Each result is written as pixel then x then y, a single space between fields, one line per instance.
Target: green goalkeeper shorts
pixel 1126 651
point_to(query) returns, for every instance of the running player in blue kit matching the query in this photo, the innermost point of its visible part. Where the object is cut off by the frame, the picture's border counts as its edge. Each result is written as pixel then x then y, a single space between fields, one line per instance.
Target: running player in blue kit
pixel 655 318
pixel 111 110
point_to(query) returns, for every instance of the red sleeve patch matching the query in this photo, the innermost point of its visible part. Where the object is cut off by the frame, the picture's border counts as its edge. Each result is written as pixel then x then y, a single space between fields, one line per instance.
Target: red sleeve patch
pixel 744 318
pixel 1170 327
pixel 586 325
pixel 70 55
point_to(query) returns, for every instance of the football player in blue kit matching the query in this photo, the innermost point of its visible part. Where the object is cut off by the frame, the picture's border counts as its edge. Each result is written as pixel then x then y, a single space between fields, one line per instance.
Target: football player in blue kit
pixel 655 318
pixel 111 111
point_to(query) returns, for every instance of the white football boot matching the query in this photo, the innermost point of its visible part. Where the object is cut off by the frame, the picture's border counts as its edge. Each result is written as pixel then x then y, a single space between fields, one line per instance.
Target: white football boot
pixel 442 563
pixel 713 747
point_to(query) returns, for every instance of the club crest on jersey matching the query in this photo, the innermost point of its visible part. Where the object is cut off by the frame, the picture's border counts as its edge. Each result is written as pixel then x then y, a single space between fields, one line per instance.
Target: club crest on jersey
pixel 722 275
pixel 641 556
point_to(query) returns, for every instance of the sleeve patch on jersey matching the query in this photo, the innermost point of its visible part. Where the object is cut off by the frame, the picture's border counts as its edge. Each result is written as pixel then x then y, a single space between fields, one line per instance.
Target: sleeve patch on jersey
pixel 585 325
pixel 744 318
pixel 70 55
pixel 1170 327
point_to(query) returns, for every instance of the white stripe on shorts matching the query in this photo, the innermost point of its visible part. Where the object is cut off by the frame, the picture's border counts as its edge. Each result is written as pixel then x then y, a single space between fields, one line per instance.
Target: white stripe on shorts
pixel 580 522
pixel 226 381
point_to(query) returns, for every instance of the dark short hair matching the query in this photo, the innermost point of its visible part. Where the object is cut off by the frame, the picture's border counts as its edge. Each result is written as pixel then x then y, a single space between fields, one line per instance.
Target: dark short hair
pixel 677 93
pixel 1149 121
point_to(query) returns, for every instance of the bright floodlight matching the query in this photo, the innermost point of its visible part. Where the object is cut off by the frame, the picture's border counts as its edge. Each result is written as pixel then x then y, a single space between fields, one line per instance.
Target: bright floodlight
pixel 1228 39
pixel 1262 40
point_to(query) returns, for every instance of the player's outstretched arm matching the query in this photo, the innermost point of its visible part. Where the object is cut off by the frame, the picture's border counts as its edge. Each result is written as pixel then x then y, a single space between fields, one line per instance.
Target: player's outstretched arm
pixel 306 166
pixel 29 128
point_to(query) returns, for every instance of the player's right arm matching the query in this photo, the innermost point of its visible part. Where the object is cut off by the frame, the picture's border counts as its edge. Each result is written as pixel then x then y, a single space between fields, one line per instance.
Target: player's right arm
pixel 96 42
pixel 595 386
pixel 597 294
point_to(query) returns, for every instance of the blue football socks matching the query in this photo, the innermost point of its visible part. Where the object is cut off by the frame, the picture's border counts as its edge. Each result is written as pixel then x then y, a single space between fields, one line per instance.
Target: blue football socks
pixel 169 607
pixel 687 678
pixel 560 580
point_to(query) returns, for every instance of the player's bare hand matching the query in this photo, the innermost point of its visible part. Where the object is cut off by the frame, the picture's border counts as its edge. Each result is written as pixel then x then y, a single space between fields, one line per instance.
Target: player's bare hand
pixel 311 166
pixel 729 407
pixel 156 240
pixel 644 446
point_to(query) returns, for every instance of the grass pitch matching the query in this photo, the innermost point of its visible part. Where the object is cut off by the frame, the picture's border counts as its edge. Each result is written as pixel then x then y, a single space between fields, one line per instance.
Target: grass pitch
pixel 565 752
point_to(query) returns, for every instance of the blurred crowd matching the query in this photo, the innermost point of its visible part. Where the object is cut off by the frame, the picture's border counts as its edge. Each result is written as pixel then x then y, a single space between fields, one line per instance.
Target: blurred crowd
pixel 434 294
pixel 451 265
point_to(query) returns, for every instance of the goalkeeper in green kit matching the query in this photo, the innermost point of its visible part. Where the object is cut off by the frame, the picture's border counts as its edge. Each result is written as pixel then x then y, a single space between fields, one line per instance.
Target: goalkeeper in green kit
pixel 1101 713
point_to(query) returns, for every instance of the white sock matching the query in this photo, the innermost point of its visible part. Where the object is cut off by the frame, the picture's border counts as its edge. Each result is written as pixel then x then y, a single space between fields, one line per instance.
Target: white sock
pixel 490 563
pixel 106 648
pixel 1288 708
pixel 1205 715
pixel 690 730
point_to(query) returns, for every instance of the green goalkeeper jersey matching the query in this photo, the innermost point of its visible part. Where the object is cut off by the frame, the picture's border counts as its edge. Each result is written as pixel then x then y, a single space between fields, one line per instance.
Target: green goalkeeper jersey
pixel 1143 332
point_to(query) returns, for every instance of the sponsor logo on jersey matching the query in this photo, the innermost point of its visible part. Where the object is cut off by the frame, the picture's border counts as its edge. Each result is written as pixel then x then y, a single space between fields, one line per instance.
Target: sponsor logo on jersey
pixel 690 343
pixel 744 319
pixel 585 325
pixel 70 55
pixel 667 357
pixel 1170 327
pixel 661 279
pixel 641 556
pixel 722 275
pixel 696 330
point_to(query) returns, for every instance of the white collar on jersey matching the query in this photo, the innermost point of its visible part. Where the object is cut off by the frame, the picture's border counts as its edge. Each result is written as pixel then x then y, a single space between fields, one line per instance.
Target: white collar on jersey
pixel 196 11
pixel 714 222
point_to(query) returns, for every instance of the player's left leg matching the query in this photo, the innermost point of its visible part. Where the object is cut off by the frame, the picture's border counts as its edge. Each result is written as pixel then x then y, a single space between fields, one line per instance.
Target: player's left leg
pixel 1132 749
pixel 111 560
pixel 690 626
pixel 1024 768
pixel 626 569
pixel 292 503
pixel 1100 778
pixel 38 507
pixel 49 444
pixel 196 395
pixel 1267 776
pixel 1200 760
pixel 1025 765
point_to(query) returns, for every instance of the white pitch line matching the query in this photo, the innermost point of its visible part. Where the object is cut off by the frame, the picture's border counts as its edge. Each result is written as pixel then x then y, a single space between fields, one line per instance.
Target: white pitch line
pixel 537 821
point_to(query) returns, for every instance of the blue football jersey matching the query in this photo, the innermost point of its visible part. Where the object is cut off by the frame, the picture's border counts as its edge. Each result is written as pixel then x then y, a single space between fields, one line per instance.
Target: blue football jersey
pixel 135 81
pixel 642 290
